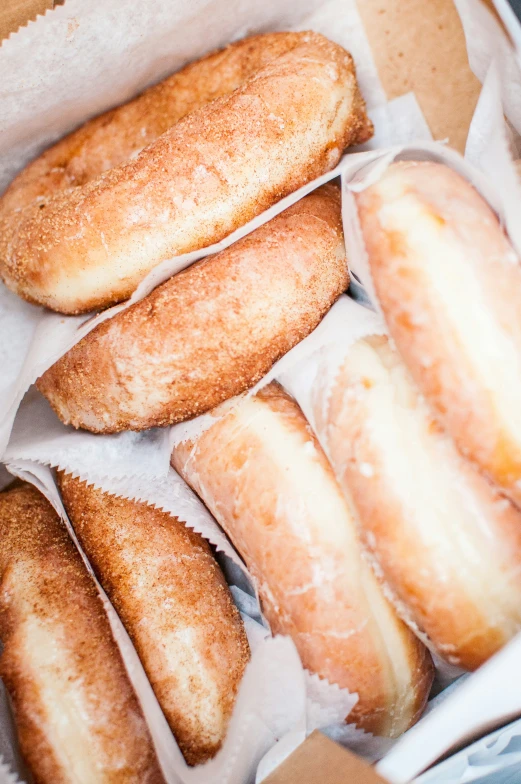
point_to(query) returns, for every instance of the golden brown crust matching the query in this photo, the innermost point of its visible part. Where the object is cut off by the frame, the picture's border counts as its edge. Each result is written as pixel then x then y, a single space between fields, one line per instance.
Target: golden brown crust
pixel 119 134
pixel 262 473
pixel 209 332
pixel 447 280
pixel 176 607
pixel 447 544
pixel 88 246
pixel 76 713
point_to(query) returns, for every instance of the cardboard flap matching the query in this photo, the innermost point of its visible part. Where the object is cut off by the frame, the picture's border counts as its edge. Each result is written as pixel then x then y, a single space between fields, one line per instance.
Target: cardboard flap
pixel 420 47
pixel 16 13
pixel 310 761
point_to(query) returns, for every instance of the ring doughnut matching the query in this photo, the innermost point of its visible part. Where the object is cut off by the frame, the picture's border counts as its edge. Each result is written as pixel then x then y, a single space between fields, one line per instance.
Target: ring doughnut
pixel 171 596
pixel 211 331
pixel 76 713
pixel 263 475
pixel 88 246
pixel 448 283
pixel 120 134
pixel 444 540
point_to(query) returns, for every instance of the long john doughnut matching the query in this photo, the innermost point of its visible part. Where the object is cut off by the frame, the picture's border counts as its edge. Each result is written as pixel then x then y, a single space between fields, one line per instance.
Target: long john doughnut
pixel 263 475
pixel 172 598
pixel 76 713
pixel 209 332
pixel 449 283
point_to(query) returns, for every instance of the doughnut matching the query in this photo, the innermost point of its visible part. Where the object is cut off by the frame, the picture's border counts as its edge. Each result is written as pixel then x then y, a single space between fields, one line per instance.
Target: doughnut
pixel 211 331
pixel 173 600
pixel 448 282
pixel 76 713
pixel 120 134
pixel 261 472
pixel 87 246
pixel 442 538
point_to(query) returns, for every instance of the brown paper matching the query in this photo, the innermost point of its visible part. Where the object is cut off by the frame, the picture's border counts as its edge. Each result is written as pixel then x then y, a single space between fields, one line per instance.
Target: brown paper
pixel 419 46
pixel 16 13
pixel 310 761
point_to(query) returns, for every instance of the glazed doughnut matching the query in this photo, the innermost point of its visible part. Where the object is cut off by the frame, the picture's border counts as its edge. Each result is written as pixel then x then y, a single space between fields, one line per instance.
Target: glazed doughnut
pixel 88 246
pixel 76 714
pixel 263 475
pixel 173 600
pixel 442 538
pixel 211 331
pixel 448 280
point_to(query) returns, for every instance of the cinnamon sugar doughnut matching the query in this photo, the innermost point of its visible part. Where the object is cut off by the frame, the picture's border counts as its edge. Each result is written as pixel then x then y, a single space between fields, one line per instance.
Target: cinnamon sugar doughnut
pixel 449 285
pixel 87 239
pixel 76 713
pixel 209 332
pixel 262 473
pixel 447 544
pixel 173 600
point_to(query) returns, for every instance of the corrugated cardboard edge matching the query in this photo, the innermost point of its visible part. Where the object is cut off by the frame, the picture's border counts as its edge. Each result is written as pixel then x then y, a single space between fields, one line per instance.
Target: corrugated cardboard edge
pixel 310 761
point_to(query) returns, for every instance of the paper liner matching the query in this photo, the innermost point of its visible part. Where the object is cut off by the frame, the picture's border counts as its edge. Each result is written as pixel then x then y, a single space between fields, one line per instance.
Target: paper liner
pixel 487 42
pixel 491 147
pixel 157 44
pixel 495 758
pixel 272 697
pixel 39 435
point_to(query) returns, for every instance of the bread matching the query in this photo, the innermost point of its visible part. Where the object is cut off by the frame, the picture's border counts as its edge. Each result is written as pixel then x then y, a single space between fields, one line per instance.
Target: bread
pixel 447 280
pixel 211 331
pixel 442 538
pixel 263 475
pixel 175 605
pixel 76 714
pixel 88 246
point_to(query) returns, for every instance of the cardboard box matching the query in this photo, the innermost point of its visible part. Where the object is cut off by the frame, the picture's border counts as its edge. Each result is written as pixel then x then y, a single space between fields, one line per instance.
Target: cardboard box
pixel 433 64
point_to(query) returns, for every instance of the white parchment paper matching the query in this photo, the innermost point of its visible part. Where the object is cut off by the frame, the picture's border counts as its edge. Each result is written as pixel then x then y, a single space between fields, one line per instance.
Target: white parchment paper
pixel 46 94
pixel 276 696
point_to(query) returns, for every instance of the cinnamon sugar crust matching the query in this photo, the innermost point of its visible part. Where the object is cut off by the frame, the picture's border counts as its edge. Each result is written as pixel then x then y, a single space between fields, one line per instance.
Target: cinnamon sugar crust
pixel 77 247
pixel 211 331
pixel 76 713
pixel 176 607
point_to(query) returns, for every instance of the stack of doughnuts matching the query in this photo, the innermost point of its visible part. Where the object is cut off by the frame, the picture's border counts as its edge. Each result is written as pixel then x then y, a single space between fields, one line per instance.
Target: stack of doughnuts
pixel 388 527
pixel 172 172
pixel 261 472
pixel 84 224
pixel 77 716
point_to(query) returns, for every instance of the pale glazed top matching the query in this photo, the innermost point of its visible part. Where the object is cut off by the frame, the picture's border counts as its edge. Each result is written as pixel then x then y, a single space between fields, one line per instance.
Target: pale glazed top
pixel 262 473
